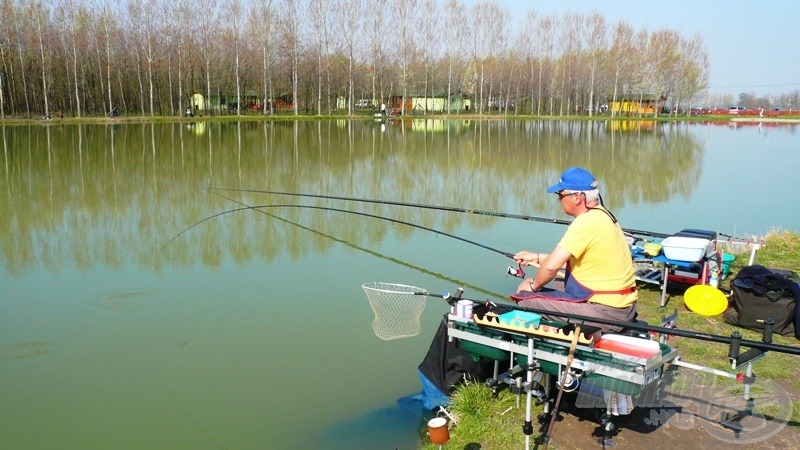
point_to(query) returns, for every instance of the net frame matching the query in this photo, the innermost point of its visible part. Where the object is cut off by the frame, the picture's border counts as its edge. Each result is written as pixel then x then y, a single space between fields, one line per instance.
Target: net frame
pixel 397 308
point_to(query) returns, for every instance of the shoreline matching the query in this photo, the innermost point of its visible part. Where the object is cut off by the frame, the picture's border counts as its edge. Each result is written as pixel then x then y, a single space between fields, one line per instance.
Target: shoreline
pixel 275 117
pixel 763 120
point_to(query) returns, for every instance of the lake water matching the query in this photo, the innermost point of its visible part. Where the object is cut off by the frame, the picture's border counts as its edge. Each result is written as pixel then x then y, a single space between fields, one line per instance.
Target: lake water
pixel 251 330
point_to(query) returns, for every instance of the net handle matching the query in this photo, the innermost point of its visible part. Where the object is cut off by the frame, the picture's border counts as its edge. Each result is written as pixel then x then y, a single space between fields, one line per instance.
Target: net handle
pixel 396 289
pixel 384 289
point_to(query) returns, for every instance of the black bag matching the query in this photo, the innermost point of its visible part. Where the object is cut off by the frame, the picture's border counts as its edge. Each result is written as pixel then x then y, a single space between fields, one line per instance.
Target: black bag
pixel 760 293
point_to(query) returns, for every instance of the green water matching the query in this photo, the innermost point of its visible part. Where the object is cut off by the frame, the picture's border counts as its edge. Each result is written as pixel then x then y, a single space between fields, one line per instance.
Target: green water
pixel 250 329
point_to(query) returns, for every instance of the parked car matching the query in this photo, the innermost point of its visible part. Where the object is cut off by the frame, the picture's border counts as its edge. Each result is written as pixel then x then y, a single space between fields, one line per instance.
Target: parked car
pixel 736 110
pixel 364 103
pixel 700 110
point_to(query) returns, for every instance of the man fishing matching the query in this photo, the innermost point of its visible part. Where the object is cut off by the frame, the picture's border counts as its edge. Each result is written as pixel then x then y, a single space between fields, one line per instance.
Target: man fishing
pixel 599 278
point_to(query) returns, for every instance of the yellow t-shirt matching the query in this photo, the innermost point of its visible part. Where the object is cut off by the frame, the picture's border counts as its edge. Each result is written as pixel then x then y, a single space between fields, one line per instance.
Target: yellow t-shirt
pixel 600 257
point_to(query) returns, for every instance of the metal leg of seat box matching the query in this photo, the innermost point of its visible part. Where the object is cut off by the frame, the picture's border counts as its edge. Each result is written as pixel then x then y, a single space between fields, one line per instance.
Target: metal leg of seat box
pixel 664 280
pixel 527 427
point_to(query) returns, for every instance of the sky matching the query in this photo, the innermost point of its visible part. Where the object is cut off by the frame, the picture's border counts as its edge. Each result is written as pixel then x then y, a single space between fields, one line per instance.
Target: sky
pixel 752 45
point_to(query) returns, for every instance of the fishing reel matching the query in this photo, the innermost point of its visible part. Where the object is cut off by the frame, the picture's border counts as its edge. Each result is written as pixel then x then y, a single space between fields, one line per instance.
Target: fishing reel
pixel 572 380
pixel 518 272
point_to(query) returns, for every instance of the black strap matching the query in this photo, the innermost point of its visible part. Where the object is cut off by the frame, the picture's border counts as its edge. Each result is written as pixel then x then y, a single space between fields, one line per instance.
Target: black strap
pixel 608 213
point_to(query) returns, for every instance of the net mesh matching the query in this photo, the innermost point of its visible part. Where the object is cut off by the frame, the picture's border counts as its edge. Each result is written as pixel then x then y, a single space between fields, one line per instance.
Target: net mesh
pixel 397 309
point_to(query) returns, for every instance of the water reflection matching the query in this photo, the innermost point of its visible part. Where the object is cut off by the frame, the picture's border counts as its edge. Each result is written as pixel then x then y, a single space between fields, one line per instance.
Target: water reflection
pixel 108 193
pixel 128 301
pixel 23 350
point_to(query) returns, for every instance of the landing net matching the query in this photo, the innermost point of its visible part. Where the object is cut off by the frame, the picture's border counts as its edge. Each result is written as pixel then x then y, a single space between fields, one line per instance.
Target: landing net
pixel 397 309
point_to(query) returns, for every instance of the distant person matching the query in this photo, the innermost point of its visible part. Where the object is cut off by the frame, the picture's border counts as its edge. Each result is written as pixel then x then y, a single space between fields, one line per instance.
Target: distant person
pixel 599 279
pixel 383 109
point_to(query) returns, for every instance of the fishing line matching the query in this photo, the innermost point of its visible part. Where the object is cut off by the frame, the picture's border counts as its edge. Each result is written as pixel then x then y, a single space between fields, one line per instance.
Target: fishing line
pixel 436 207
pixel 325 208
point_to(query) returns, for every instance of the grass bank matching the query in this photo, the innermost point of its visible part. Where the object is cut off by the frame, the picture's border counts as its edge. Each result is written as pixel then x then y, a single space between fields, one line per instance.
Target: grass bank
pixel 488 422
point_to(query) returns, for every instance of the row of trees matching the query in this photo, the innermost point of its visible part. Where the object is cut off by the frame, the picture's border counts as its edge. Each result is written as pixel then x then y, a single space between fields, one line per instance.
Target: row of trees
pixel 90 57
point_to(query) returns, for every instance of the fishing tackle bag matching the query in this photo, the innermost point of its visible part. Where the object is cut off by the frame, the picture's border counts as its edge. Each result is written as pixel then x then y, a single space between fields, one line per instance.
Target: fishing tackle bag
pixel 760 293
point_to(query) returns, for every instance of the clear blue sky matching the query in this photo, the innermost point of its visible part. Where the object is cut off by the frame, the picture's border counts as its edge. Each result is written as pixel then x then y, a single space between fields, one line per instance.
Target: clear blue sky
pixel 753 46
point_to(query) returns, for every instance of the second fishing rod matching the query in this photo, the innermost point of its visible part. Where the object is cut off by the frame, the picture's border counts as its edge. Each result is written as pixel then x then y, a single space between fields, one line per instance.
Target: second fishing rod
pixel 477 212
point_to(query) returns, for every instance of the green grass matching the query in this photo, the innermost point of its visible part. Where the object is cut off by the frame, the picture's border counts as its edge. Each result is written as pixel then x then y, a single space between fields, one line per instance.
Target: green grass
pixel 495 422
pixel 492 422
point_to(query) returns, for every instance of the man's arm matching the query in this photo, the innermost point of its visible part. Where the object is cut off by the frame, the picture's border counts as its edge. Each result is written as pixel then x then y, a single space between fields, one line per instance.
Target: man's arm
pixel 548 270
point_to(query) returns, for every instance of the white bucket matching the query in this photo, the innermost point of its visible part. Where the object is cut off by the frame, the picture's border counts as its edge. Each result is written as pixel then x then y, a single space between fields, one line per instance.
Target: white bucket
pixel 464 309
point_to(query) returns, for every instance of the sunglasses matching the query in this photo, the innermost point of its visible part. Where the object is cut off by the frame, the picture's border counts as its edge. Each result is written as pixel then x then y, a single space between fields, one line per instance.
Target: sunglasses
pixel 561 196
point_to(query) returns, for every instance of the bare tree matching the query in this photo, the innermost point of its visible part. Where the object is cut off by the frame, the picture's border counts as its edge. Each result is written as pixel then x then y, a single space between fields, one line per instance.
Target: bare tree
pixel 234 14
pixel 597 47
pixel 481 33
pixel 3 72
pixel 621 56
pixel 138 37
pixel 430 43
pixel 178 13
pixel 149 30
pixel 349 14
pixel 692 71
pixel 528 51
pixel 498 19
pixel 570 46
pixel 376 36
pixel 320 14
pixel 665 57
pixel 405 17
pixel 261 19
pixel 455 20
pixel 642 76
pixel 74 19
pixel 40 15
pixel 107 21
pixel 292 40
pixel 208 13
pixel 6 61
pixel 546 35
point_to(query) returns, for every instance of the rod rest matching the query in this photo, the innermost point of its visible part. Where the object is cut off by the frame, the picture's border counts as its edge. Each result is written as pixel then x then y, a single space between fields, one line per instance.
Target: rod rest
pixel 453 299
pixel 734 350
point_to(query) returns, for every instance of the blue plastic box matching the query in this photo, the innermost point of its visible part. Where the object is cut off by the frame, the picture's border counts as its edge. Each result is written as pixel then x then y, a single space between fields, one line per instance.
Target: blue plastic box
pixel 520 319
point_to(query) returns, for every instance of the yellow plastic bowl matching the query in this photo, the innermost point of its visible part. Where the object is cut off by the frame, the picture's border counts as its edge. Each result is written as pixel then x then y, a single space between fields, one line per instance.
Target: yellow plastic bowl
pixel 705 300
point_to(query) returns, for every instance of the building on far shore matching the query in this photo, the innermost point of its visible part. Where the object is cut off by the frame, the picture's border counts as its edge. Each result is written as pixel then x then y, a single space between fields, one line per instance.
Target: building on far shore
pixel 638 104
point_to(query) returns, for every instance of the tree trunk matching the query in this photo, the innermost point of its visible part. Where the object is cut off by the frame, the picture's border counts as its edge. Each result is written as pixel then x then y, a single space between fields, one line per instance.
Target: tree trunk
pixel 40 30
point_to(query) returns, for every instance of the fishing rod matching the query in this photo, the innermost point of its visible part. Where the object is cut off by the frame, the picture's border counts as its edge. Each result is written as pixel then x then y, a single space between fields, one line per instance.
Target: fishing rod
pixel 366 250
pixel 731 340
pixel 324 208
pixel 437 208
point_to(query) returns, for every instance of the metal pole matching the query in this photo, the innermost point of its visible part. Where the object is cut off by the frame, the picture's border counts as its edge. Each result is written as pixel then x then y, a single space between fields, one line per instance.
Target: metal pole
pixel 527 428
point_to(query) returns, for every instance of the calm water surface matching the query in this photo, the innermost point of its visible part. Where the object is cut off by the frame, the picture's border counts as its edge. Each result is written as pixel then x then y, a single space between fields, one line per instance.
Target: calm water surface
pixel 251 330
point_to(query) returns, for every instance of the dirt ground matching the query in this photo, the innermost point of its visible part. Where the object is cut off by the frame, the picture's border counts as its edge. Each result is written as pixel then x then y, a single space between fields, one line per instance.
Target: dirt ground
pixel 689 414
